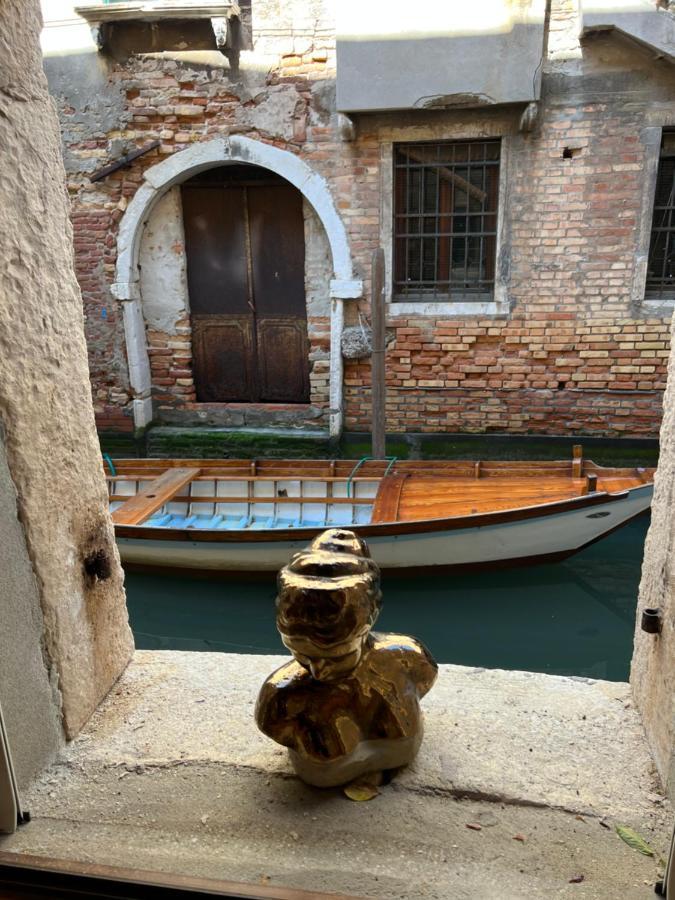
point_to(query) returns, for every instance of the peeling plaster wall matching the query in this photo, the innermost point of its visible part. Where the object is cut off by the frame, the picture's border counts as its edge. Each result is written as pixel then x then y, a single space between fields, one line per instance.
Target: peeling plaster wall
pixel 45 398
pixel 163 265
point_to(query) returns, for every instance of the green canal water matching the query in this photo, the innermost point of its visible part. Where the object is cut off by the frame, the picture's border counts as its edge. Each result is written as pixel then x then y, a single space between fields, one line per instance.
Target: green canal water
pixel 571 618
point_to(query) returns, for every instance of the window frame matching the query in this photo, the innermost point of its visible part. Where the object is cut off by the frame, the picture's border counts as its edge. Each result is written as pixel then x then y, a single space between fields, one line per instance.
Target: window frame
pixel 643 303
pixel 652 294
pixel 408 161
pixel 467 304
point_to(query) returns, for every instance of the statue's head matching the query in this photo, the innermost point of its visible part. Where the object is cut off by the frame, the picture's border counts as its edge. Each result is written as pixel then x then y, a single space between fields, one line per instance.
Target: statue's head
pixel 329 598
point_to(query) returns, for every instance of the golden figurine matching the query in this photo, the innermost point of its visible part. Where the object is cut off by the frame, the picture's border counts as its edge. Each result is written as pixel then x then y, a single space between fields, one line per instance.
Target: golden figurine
pixel 347 706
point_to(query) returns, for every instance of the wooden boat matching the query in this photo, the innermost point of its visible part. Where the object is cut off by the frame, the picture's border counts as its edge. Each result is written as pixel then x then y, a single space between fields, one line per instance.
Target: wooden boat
pixel 244 515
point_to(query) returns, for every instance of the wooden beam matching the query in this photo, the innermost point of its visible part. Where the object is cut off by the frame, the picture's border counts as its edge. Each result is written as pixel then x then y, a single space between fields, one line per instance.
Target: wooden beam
pixel 577 461
pixel 388 499
pixel 23 876
pixel 377 365
pixel 140 507
pixel 447 174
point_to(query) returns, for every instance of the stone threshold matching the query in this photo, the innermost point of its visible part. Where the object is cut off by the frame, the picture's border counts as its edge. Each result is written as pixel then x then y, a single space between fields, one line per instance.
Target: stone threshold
pixel 172 775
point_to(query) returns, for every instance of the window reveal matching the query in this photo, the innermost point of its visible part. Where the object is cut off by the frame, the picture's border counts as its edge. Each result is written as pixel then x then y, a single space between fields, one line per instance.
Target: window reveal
pixel 445 220
pixel 661 263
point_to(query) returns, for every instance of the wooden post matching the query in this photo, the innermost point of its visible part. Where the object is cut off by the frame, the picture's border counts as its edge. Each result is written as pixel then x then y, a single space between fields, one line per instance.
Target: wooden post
pixel 377 367
pixel 577 461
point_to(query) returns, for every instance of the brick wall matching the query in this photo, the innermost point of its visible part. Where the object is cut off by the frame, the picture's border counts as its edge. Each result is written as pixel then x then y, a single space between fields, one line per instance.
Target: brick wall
pixel 576 353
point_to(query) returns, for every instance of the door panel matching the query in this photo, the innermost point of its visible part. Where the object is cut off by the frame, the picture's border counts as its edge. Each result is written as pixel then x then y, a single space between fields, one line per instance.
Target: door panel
pixel 283 360
pixel 215 245
pixel 224 347
pixel 245 251
pixel 277 250
pixel 278 270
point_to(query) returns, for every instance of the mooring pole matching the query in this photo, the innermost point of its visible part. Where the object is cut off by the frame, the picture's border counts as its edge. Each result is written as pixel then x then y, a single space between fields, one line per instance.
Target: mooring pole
pixel 377 367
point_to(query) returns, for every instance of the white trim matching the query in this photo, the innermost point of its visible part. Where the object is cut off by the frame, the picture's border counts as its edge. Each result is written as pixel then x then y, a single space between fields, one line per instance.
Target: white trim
pixel 181 166
pixel 337 319
pixel 498 305
pixel 658 307
pixel 445 309
pixel 650 138
pixel 343 289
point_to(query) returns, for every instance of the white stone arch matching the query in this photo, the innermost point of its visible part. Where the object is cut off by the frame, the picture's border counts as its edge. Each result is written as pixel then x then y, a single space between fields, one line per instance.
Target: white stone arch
pixel 183 165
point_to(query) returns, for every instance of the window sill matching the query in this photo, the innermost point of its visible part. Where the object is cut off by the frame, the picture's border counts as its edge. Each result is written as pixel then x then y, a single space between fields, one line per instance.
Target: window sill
pixel 658 305
pixel 447 309
pixel 153 11
pixel 159 724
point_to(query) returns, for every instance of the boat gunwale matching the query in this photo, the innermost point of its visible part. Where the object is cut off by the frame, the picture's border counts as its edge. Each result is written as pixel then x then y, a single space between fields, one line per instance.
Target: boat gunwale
pixel 411 526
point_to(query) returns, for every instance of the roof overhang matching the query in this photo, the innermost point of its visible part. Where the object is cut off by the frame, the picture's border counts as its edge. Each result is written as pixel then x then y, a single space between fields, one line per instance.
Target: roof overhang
pixel 153 11
pixel 639 20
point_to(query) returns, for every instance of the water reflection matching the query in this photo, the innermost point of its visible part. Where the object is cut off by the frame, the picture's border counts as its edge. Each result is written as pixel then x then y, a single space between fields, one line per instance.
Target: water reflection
pixel 571 618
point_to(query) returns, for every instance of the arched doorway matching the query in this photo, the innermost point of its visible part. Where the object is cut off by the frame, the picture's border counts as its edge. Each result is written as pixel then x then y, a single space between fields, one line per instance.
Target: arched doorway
pixel 244 240
pixel 157 181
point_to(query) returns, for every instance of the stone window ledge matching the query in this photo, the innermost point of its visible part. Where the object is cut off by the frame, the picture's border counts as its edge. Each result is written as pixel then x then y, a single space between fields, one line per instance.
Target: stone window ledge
pixel 171 774
pixel 151 11
pixel 262 407
pixel 658 306
pixel 445 309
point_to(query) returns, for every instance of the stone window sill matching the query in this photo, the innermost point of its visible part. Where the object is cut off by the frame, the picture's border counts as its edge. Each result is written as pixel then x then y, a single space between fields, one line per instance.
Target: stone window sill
pixel 445 309
pixel 171 773
pixel 248 407
pixel 151 11
pixel 658 307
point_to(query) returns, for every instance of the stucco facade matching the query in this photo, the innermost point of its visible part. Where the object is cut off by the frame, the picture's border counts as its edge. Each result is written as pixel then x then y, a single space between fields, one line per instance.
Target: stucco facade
pixel 65 638
pixel 567 344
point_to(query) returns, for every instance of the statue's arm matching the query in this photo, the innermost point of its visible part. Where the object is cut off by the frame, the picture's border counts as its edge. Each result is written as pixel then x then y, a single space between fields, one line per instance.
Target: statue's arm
pixel 426 669
pixel 272 718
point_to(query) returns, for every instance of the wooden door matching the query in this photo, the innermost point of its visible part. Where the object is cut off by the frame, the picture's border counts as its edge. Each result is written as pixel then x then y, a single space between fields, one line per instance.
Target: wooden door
pixel 245 259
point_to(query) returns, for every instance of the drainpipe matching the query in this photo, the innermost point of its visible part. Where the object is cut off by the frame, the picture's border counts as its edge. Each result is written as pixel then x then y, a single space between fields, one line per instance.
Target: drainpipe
pixel 340 290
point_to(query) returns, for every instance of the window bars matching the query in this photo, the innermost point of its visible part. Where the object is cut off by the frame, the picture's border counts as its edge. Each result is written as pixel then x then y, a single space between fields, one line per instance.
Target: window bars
pixel 445 220
pixel 661 261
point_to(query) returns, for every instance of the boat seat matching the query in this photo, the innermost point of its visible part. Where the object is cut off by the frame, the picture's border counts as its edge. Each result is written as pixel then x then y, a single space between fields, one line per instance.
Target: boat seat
pixel 261 524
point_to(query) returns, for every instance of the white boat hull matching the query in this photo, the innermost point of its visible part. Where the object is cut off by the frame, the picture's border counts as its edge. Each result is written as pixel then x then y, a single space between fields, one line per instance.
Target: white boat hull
pixel 520 539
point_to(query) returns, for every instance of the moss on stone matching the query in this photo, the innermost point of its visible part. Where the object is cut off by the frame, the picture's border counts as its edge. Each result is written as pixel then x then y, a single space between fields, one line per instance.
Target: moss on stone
pixel 202 443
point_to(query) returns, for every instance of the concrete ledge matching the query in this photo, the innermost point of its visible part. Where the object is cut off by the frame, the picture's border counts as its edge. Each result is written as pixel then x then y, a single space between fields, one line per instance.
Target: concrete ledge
pixel 171 773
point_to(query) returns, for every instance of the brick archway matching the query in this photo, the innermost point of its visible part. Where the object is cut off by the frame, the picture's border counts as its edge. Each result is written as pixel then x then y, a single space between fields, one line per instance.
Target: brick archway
pixel 177 168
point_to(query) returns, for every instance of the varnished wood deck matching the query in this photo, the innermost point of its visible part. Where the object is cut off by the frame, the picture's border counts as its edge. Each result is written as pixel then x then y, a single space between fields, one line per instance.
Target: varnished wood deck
pixel 411 498
pixel 412 490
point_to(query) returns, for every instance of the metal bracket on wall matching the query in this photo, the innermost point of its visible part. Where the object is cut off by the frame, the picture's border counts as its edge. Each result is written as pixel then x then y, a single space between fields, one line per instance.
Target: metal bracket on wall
pixel 122 162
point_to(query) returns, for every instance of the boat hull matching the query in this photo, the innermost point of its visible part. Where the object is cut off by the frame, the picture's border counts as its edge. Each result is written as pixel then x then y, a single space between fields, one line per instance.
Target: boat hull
pixel 549 532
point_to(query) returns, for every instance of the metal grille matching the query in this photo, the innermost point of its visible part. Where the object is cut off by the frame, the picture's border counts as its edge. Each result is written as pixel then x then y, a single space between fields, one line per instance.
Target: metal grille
pixel 445 219
pixel 661 263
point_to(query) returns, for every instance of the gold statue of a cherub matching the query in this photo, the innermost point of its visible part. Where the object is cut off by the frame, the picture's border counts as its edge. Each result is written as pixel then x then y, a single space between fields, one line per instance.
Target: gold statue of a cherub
pixel 347 705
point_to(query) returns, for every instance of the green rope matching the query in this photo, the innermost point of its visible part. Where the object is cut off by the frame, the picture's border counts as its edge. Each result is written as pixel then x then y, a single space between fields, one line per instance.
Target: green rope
pixel 111 464
pixel 392 460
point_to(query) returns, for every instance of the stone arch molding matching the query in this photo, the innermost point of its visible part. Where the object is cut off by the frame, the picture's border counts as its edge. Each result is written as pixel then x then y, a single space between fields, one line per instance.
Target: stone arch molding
pixel 183 165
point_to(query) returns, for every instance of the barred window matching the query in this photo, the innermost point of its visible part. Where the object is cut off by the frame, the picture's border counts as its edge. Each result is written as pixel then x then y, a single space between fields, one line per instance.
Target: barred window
pixel 661 262
pixel 445 220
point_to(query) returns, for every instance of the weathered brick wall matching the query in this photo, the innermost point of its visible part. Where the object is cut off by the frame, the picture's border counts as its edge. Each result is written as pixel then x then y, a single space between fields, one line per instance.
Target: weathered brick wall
pixel 284 89
pixel 576 352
